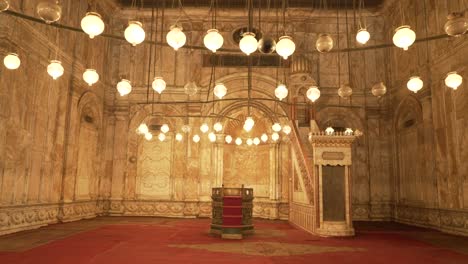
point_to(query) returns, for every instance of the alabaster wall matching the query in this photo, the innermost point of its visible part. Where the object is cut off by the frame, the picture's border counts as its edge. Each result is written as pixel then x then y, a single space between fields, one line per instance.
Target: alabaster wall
pixel 51 132
pixel 429 142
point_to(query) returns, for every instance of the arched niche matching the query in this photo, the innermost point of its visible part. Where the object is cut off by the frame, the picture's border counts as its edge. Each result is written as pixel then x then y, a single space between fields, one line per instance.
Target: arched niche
pixel 409 148
pixel 150 162
pixel 88 140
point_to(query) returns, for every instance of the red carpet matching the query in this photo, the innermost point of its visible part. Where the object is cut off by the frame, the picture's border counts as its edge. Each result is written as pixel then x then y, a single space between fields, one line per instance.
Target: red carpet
pixel 188 241
pixel 232 210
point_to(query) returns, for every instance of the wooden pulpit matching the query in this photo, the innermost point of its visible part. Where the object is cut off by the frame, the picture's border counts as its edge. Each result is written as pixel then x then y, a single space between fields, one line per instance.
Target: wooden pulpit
pixel 232 212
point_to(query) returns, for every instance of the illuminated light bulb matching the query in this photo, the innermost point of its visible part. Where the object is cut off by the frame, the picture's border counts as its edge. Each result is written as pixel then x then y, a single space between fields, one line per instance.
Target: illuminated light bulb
pixel 142 129
pixel 55 69
pixel 329 131
pixel 276 127
pixel 404 37
pixel 176 37
pixel 285 47
pixel 12 61
pixel 212 137
pixel 159 85
pixel 362 36
pixel 249 124
pixel 148 136
pixel 162 137
pixel 90 76
pixel 213 40
pixel 220 90
pixel 264 137
pixel 287 129
pixel 348 132
pixel 415 84
pixel 204 128
pixel 256 141
pixel 164 128
pixel 124 87
pixel 218 127
pixel 196 138
pixel 313 93
pixel 281 92
pixel 238 141
pixel 248 44
pixel 228 139
pixel 275 136
pixel 453 80
pixel 134 33
pixel 249 142
pixel 179 137
pixel 92 24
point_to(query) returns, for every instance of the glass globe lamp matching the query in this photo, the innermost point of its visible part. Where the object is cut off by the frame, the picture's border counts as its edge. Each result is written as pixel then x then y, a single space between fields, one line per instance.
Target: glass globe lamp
pixel 159 85
pixel 196 138
pixel 179 137
pixel 345 91
pixel 266 45
pixel 228 139
pixel 249 142
pixel 186 129
pixel 276 127
pixel 90 76
pixel 415 84
pixel 134 33
pixel 12 61
pixel 453 80
pixel 92 24
pixel 162 137
pixel 148 136
pixel 164 128
pixel 124 87
pixel 404 37
pixel 176 37
pixel 218 127
pixel 275 136
pixel 456 24
pixel 220 90
pixel 324 43
pixel 285 47
pixel 142 129
pixel 4 5
pixel 313 93
pixel 49 11
pixel 379 89
pixel 287 129
pixel 212 137
pixel 191 88
pixel 249 123
pixel 362 36
pixel 256 141
pixel 238 141
pixel 204 128
pixel 264 137
pixel 213 40
pixel 248 44
pixel 55 69
pixel 281 92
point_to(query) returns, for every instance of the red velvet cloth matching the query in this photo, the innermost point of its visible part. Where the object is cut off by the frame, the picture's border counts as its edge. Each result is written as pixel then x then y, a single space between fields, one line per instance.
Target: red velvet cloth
pixel 232 210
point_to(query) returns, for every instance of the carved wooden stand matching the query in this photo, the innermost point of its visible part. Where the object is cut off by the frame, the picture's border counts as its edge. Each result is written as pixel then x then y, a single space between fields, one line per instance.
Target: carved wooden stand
pixel 232 212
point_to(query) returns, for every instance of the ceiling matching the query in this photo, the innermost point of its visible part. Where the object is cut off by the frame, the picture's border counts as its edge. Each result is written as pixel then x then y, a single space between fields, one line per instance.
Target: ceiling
pixel 332 4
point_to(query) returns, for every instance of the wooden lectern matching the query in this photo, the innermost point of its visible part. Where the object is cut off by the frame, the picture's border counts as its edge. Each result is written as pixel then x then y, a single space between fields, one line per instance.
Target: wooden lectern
pixel 232 212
